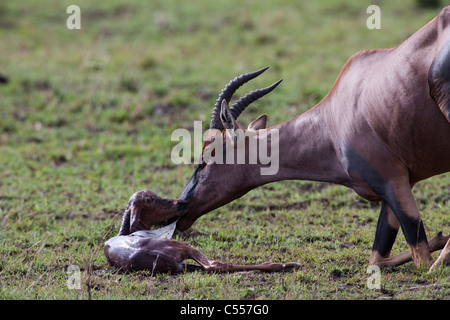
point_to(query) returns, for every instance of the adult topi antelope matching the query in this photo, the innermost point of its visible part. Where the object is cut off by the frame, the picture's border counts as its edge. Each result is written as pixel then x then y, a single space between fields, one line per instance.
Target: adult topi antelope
pixel 384 126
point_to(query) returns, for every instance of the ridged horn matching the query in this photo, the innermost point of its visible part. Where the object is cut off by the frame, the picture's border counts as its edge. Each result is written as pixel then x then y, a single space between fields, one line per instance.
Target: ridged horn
pixel 227 93
pixel 245 101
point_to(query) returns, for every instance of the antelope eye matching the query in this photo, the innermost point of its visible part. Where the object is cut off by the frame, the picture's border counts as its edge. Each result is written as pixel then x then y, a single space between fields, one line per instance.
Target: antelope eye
pixel 148 200
pixel 202 163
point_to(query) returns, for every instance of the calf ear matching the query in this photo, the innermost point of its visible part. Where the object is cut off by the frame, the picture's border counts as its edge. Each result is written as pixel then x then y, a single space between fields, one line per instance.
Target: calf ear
pixel 259 123
pixel 125 227
pixel 226 117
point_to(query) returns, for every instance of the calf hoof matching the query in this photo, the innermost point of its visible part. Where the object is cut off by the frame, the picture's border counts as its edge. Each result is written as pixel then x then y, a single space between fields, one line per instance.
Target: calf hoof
pixel 291 266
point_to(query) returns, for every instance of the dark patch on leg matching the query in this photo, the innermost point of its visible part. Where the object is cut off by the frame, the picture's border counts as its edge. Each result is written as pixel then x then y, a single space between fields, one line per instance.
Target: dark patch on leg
pixel 385 234
pixel 412 228
pixel 439 79
pixel 440 67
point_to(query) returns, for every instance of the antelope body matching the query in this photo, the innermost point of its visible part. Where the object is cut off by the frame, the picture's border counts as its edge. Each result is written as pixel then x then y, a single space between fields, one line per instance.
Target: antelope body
pixel 384 126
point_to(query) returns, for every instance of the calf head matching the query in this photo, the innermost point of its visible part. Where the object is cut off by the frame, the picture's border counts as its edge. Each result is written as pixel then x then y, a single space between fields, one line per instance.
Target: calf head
pixel 145 209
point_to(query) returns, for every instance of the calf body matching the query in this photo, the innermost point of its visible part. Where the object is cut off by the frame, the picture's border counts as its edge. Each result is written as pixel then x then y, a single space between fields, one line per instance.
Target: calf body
pixel 155 251
pixel 144 253
pixel 134 252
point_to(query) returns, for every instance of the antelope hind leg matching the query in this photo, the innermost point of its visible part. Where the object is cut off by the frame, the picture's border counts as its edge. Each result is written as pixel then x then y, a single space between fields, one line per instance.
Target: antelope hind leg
pixel 218 266
pixel 443 257
pixel 436 243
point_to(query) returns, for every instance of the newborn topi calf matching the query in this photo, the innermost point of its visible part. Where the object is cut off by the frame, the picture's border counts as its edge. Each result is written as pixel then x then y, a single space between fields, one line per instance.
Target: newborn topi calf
pixel 135 248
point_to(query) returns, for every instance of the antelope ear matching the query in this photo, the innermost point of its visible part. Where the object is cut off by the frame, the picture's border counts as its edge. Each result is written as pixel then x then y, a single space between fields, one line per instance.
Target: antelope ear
pixel 259 123
pixel 125 227
pixel 226 117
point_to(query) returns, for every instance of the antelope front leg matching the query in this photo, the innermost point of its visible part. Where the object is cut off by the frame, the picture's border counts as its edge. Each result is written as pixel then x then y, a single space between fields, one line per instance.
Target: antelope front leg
pixel 387 229
pixel 397 194
pixel 405 208
pixel 389 179
pixel 399 201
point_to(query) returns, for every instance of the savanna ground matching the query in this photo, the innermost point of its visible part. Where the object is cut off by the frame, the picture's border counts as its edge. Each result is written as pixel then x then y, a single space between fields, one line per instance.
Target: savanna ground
pixel 86 118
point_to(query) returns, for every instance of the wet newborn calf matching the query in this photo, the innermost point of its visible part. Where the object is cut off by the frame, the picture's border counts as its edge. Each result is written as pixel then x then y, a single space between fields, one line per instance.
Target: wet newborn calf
pixel 159 255
pixel 155 251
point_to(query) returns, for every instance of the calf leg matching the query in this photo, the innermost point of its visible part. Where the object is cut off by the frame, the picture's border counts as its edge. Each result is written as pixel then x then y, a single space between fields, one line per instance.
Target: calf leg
pixel 267 266
pixel 218 266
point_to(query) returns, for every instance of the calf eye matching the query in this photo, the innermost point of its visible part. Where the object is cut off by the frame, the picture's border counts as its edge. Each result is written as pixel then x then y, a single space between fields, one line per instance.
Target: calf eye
pixel 149 201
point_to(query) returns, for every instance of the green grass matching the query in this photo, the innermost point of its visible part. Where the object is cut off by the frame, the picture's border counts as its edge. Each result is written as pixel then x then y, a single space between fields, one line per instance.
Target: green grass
pixel 86 118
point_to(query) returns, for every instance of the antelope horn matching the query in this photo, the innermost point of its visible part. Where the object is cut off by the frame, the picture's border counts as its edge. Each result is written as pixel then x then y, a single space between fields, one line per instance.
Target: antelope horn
pixel 227 93
pixel 244 102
